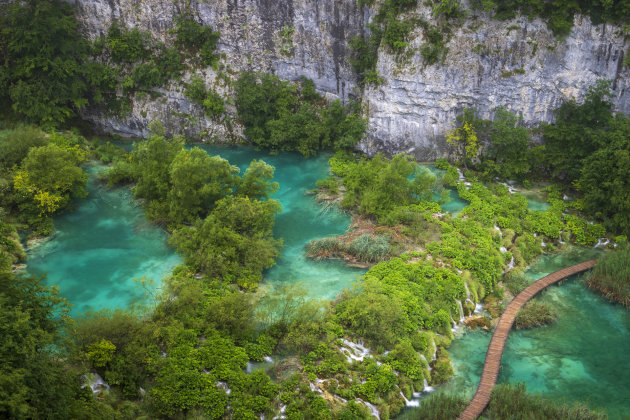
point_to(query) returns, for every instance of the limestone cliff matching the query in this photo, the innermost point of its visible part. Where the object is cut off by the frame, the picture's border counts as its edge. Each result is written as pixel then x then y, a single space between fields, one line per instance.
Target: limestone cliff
pixel 519 64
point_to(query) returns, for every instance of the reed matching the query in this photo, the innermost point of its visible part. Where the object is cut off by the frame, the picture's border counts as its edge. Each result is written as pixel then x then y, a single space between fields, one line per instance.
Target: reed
pixel 611 276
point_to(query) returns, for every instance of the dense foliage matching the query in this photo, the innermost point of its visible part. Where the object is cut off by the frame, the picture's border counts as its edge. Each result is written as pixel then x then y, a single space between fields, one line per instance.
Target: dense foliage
pixel 45 75
pixel 611 276
pixel 559 15
pixel 508 401
pixel 587 149
pixel 41 174
pixel 282 115
pixel 217 217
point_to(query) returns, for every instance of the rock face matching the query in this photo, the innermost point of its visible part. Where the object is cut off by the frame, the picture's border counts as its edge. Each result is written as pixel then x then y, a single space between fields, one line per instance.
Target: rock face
pixel 519 64
pixel 290 38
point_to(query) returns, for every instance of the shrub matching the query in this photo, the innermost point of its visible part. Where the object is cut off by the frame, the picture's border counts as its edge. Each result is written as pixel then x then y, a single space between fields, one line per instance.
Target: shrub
pixel 535 314
pixel 611 276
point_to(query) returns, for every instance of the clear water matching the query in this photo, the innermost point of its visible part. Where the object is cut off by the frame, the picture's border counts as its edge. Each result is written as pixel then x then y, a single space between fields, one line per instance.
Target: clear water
pixel 100 248
pixel 582 357
pixel 301 221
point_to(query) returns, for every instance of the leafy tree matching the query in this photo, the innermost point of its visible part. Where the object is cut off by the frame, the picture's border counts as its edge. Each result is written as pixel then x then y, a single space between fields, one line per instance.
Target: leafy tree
pixel 605 178
pixel 286 116
pixel 508 146
pixel 197 182
pixel 222 245
pixel 44 76
pixel 377 185
pixel 201 41
pixel 464 140
pixel 50 176
pixel 35 382
pixel 257 182
pixel 578 132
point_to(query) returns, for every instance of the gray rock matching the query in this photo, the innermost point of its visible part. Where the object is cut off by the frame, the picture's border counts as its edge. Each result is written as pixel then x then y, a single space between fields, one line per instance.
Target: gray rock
pixel 414 107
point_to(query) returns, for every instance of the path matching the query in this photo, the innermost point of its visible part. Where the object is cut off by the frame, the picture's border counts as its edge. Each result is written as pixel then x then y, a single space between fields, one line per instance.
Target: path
pixel 495 349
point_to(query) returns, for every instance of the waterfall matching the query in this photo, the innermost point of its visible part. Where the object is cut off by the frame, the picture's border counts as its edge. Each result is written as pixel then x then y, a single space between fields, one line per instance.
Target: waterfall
pixel 602 242
pixel 268 359
pixel 354 351
pixel 461 311
pixel 373 409
pixel 427 388
pixel 95 382
pixel 478 308
pixel 410 403
pixel 560 241
pixel 503 249
pixel 499 230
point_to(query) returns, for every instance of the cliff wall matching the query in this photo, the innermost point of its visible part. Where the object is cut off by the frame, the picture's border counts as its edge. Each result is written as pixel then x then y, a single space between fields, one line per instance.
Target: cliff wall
pixel 519 64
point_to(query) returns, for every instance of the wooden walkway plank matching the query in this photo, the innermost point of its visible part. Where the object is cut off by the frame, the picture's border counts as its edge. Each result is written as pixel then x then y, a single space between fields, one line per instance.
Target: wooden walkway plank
pixel 497 343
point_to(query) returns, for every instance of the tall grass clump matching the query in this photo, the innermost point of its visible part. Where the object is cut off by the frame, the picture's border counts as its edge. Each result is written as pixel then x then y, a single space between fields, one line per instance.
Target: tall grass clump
pixel 437 406
pixel 324 247
pixel 511 401
pixel 370 248
pixel 611 276
pixel 535 314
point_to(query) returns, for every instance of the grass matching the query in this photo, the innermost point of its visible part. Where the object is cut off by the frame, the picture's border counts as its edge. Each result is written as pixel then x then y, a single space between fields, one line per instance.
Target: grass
pixel 508 401
pixel 611 276
pixel 535 314
pixel 365 248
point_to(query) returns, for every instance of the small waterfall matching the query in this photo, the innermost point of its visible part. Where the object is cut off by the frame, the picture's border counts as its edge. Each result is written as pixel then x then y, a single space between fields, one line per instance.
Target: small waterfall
pixel 543 243
pixel 409 403
pixel 95 382
pixel 509 266
pixel 560 241
pixel 461 311
pixel 478 308
pixel 224 386
pixel 373 409
pixel 461 175
pixel 427 388
pixel 268 359
pixel 503 249
pixel 354 351
pixel 602 242
pixel 249 367
pixel 314 388
pixel 499 230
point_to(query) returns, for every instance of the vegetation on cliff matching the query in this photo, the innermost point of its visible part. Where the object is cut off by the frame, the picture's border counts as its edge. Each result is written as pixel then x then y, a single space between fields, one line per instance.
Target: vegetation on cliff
pixel 282 115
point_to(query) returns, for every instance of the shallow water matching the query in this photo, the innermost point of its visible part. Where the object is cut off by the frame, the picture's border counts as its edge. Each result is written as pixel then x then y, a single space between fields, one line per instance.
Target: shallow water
pixel 302 220
pixel 100 248
pixel 582 357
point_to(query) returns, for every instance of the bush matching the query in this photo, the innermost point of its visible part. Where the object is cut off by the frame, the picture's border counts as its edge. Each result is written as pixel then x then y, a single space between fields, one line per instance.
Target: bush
pixel 611 276
pixel 200 41
pixel 535 314
pixel 287 116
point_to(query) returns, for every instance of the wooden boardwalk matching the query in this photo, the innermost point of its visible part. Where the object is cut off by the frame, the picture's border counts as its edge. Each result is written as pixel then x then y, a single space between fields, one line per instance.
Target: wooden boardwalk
pixel 495 349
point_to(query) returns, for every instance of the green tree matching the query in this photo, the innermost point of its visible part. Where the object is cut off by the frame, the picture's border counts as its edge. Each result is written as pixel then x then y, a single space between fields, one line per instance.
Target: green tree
pixel 44 76
pixel 257 182
pixel 508 146
pixel 50 176
pixel 34 380
pixel 197 182
pixel 234 243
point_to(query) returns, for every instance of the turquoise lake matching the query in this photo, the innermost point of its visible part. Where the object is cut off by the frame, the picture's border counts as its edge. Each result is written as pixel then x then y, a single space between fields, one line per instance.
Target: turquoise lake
pixel 105 243
pixel 581 357
pixel 100 248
